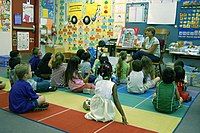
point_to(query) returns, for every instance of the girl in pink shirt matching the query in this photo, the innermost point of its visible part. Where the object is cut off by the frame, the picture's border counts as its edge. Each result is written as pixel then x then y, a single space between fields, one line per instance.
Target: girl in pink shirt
pixel 73 77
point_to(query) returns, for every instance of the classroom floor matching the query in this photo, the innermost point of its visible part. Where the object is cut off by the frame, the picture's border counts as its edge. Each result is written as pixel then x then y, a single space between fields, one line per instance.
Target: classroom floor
pixel 66 114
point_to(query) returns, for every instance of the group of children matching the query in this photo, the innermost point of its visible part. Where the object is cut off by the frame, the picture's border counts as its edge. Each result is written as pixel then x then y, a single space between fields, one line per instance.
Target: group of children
pixel 79 75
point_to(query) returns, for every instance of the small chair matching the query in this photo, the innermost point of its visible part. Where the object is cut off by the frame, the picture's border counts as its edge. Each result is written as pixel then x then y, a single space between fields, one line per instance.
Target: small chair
pixel 162 35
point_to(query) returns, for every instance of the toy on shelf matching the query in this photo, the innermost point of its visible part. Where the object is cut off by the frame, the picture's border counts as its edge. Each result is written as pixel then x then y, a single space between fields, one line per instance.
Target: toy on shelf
pixel 184 46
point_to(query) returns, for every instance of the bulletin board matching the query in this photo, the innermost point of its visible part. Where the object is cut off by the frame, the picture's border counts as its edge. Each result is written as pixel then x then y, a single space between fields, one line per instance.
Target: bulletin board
pixel 189 20
pixel 137 12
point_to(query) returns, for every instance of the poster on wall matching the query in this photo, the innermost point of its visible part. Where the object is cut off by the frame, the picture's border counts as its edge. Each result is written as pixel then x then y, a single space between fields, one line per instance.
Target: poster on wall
pixel 28 13
pixel 189 21
pixel 18 18
pixel 4 15
pixel 22 40
pixel 137 12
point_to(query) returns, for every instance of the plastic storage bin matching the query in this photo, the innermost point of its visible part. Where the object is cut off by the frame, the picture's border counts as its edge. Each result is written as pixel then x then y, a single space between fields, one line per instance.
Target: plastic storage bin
pixel 4 60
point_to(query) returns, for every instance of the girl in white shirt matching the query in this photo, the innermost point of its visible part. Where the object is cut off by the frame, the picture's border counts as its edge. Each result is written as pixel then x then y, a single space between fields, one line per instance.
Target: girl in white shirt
pixel 102 107
pixel 135 79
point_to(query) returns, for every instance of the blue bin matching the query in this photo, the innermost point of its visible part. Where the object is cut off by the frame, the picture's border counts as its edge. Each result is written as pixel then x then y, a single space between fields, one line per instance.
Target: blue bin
pixel 4 60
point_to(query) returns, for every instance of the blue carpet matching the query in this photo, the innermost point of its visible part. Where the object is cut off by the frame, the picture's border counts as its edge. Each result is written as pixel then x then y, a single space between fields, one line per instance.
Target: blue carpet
pixel 123 89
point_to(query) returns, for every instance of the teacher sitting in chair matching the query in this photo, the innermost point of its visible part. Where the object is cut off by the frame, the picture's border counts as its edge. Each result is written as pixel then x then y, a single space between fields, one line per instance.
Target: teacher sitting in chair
pixel 150 47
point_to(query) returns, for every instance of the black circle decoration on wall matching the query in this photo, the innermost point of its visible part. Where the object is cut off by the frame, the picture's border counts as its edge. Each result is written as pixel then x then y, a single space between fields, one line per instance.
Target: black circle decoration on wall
pixel 74 20
pixel 86 20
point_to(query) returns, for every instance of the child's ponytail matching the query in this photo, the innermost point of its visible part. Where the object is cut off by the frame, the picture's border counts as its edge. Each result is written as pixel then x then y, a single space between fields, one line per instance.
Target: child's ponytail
pixel 119 68
pixel 122 57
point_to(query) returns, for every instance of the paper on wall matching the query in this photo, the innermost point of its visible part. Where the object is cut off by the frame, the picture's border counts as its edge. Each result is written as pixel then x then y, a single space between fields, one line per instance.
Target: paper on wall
pixel 43 21
pixel 28 13
pixel 45 13
pixel 162 13
pixel 22 40
pixel 136 14
pixel 119 8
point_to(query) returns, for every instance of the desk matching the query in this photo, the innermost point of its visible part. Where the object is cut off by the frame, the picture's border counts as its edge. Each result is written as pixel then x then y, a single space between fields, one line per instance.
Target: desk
pixel 129 50
pixel 177 55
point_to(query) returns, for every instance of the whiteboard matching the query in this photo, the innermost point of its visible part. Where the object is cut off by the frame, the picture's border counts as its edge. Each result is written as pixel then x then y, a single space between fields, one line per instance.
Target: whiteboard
pixel 5 43
pixel 162 12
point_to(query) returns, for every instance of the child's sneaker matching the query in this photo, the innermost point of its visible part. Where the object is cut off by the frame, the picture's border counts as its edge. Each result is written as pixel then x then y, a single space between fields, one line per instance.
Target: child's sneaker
pixel 51 89
pixel 42 107
pixel 86 104
pixel 2 85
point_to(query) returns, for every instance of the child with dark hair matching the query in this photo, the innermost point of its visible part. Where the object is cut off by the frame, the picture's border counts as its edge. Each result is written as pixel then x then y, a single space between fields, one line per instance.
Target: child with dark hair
pixel 148 69
pixel 179 63
pixel 22 98
pixel 167 98
pixel 43 70
pixel 102 107
pixel 35 58
pixel 58 70
pixel 85 66
pixel 100 60
pixel 135 79
pixel 73 77
pixel 123 68
pixel 79 53
pixel 15 59
pixel 38 84
pixel 179 79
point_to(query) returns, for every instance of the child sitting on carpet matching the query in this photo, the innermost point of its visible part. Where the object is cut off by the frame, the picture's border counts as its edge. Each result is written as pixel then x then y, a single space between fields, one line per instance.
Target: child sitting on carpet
pixel 43 70
pixel 181 63
pixel 135 79
pixel 22 98
pixel 15 59
pixel 97 63
pixel 179 79
pixel 74 79
pixel 38 84
pixel 148 69
pixel 102 107
pixel 58 70
pixel 123 68
pixel 167 98
pixel 85 66
pixel 35 58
